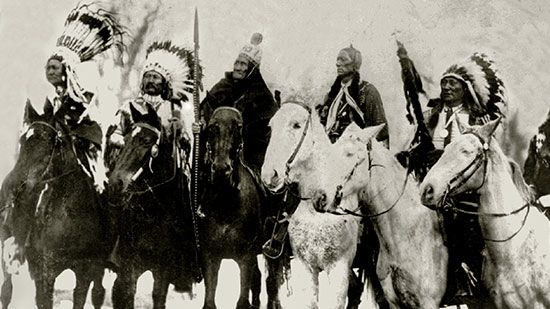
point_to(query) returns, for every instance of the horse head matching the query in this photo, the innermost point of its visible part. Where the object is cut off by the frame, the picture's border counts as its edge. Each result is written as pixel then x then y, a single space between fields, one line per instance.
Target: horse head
pixel 224 144
pixel 542 144
pixel 462 167
pixel 139 154
pixel 45 146
pixel 296 133
pixel 351 164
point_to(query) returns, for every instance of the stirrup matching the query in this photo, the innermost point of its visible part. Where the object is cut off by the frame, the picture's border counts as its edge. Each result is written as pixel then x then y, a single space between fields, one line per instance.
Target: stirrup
pixel 273 248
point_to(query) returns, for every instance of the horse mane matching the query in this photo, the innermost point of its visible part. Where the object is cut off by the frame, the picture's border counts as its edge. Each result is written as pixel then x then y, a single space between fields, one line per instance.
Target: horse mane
pixel 514 169
pixel 525 190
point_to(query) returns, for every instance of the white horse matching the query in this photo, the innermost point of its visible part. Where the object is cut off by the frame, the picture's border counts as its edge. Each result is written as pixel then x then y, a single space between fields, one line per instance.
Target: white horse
pixel 516 269
pixel 300 152
pixel 412 262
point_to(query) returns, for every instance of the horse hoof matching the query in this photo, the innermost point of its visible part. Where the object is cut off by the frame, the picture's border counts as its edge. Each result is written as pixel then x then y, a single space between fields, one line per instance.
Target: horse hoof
pixel 274 305
pixel 243 304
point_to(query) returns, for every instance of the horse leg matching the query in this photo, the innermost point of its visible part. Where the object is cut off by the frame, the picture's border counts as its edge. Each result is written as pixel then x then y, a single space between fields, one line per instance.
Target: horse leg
pixel 124 288
pixel 7 286
pixel 7 290
pixel 83 280
pixel 98 291
pixel 338 278
pixel 246 266
pixel 45 288
pixel 275 268
pixel 212 266
pixel 160 288
pixel 306 294
pixel 256 283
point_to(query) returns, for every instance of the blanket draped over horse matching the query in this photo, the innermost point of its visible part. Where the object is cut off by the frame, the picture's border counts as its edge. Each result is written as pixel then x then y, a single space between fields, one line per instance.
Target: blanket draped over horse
pixel 516 266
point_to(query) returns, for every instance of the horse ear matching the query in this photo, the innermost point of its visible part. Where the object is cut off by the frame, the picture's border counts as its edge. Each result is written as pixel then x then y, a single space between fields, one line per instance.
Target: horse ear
pixel 30 113
pixel 371 132
pixel 487 130
pixel 462 126
pixel 152 117
pixel 136 115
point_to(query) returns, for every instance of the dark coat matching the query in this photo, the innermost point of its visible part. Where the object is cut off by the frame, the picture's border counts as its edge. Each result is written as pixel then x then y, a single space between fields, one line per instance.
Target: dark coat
pixel 367 98
pixel 253 99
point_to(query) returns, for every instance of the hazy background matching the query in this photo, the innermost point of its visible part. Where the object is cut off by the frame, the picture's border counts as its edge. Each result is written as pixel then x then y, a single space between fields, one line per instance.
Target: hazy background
pixel 301 41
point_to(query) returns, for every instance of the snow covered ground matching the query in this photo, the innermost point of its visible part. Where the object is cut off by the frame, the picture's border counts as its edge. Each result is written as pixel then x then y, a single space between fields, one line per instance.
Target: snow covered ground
pixel 226 297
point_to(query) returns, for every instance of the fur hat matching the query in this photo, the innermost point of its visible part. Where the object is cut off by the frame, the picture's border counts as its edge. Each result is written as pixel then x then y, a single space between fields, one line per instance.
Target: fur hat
pixel 252 51
pixel 175 64
pixel 87 33
pixel 482 81
pixel 355 56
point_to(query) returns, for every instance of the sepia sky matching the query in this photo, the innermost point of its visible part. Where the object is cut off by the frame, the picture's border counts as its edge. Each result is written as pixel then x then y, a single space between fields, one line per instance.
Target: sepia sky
pixel 301 41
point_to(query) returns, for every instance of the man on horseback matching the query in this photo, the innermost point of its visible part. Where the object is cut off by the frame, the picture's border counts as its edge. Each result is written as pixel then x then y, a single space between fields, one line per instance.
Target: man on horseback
pixel 72 99
pixel 351 99
pixel 245 89
pixel 471 93
pixel 163 88
pixel 166 85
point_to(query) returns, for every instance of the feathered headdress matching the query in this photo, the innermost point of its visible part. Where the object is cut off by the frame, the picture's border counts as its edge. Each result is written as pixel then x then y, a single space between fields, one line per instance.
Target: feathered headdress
pixel 175 64
pixel 86 33
pixel 483 83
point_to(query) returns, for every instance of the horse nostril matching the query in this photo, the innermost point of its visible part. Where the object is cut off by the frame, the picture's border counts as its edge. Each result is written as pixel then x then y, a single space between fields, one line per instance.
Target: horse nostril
pixel 275 176
pixel 428 193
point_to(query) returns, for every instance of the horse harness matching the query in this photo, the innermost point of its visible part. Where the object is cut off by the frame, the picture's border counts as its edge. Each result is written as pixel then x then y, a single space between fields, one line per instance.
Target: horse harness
pixel 460 179
pixel 153 153
pixel 339 195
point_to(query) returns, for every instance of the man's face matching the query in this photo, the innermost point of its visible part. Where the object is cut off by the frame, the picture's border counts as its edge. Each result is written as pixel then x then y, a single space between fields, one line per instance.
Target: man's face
pixel 55 72
pixel 152 83
pixel 240 67
pixel 344 64
pixel 451 90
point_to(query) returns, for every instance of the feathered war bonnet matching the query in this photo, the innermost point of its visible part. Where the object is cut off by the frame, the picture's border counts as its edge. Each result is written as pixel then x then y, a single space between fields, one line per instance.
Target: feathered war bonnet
pixel 87 33
pixel 482 82
pixel 175 64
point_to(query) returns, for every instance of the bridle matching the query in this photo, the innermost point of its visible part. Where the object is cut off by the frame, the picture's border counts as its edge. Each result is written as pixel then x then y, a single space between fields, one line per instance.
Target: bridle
pixel 57 142
pixel 235 152
pixel 148 161
pixel 300 142
pixel 462 178
pixel 288 165
pixel 340 211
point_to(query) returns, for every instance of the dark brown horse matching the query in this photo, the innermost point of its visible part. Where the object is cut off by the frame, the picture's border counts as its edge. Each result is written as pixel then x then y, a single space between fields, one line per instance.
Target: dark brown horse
pixel 234 207
pixel 155 227
pixel 54 213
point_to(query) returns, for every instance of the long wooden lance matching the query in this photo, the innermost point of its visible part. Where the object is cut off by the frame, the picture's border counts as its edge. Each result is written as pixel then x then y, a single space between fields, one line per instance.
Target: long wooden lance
pixel 196 107
pixel 196 142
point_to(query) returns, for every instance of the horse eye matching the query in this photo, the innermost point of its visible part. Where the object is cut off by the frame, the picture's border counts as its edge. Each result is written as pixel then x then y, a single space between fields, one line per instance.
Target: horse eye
pixel 296 125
